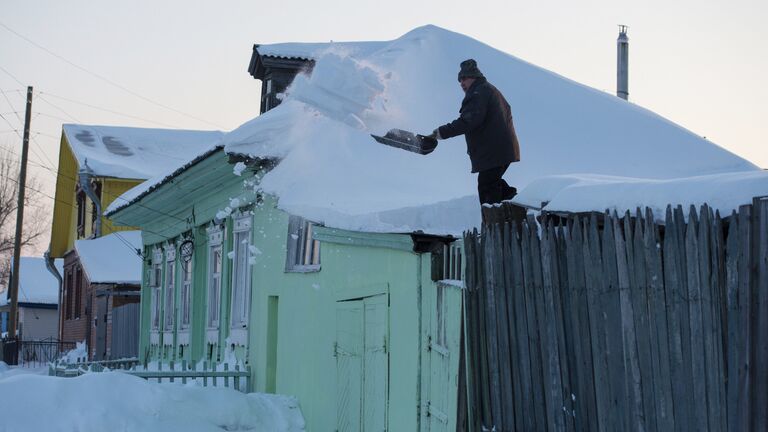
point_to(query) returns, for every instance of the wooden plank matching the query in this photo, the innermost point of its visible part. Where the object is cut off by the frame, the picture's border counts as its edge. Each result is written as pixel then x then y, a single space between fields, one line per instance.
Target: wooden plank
pixel 677 315
pixel 584 392
pixel 719 310
pixel 486 419
pixel 479 416
pixel 696 324
pixel 734 338
pixel 638 292
pixel 759 384
pixel 565 333
pixel 522 334
pixel 507 409
pixel 534 343
pixel 632 378
pixel 490 286
pixel 548 330
pixel 509 239
pixel 664 410
pixel 551 402
pixel 470 322
pixel 593 270
pixel 710 321
pixel 745 300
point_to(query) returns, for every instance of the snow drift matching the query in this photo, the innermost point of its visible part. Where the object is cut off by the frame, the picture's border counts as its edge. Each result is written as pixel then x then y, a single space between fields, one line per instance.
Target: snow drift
pixel 115 401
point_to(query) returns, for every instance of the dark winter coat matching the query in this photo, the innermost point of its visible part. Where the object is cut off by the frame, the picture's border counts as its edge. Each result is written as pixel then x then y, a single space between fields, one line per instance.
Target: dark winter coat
pixel 486 122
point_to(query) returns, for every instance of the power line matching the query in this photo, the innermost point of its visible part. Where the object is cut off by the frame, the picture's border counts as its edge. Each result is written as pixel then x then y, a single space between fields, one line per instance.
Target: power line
pixel 12 76
pixel 107 110
pixel 69 204
pixel 105 79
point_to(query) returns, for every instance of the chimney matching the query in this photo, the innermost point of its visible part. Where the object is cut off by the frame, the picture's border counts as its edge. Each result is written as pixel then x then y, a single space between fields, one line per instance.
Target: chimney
pixel 622 66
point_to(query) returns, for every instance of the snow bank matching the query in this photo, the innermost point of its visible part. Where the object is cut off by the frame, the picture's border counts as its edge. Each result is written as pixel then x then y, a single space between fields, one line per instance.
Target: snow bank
pixel 586 192
pixel 76 355
pixel 120 402
pixel 333 172
pixel 112 258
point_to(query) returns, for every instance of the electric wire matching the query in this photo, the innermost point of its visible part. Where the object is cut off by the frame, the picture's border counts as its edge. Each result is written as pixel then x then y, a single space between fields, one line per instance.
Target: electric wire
pixel 105 79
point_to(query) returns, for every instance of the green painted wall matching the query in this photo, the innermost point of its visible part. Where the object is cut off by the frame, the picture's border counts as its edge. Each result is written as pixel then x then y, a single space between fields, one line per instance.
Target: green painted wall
pixel 293 327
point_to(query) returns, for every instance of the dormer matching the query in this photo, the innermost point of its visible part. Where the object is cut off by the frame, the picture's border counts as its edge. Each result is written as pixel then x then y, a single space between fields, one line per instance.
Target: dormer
pixel 276 72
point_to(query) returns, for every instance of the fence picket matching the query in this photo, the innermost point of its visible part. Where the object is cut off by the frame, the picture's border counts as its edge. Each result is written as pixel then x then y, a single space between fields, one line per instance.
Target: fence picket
pixel 759 385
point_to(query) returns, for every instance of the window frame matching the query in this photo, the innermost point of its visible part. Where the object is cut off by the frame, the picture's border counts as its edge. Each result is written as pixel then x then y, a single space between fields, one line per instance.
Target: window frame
pixel 156 271
pixel 185 308
pixel 302 247
pixel 241 288
pixel 215 245
pixel 169 286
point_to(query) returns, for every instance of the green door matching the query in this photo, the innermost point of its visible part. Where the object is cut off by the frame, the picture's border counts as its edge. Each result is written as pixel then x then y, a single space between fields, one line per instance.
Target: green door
pixel 362 364
pixel 443 310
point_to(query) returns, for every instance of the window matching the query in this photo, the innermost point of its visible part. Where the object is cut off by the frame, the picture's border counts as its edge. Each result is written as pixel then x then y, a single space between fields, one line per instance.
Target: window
pixel 186 291
pixel 80 198
pixel 78 292
pixel 170 283
pixel 68 293
pixel 215 240
pixel 303 250
pixel 241 274
pixel 155 277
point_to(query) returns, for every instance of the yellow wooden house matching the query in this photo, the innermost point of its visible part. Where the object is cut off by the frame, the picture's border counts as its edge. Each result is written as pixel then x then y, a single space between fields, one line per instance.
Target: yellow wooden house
pixel 96 165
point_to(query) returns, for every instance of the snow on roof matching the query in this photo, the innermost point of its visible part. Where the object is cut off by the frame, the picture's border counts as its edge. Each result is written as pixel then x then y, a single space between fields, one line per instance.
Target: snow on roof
pixel 312 51
pixel 135 153
pixel 332 171
pixel 143 188
pixel 111 258
pixel 36 283
pixel 590 192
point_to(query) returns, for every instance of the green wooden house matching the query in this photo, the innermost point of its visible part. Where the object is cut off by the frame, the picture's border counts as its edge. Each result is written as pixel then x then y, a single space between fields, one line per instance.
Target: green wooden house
pixel 358 326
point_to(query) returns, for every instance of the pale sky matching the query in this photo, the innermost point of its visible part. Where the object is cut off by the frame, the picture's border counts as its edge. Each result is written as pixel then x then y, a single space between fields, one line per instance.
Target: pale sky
pixel 699 63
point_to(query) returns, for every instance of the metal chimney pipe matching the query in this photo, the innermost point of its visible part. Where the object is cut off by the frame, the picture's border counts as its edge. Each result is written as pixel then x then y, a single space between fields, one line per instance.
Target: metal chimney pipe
pixel 622 68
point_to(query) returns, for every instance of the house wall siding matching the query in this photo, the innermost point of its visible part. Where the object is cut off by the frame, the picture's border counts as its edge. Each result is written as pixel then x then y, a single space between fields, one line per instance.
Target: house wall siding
pixel 298 358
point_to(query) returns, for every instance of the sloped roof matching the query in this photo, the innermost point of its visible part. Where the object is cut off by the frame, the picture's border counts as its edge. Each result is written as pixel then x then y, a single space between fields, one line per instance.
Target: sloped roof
pixel 112 258
pixel 133 153
pixel 332 171
pixel 36 284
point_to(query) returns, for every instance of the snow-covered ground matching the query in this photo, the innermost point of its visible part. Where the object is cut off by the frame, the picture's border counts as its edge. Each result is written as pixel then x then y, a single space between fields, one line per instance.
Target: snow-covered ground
pixel 115 401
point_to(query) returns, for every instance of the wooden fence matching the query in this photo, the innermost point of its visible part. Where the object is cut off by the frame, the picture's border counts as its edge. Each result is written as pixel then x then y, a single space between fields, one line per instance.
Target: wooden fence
pixel 620 323
pixel 207 374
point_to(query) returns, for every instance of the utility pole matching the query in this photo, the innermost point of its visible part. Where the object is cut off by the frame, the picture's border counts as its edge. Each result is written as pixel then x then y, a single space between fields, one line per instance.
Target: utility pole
pixel 14 289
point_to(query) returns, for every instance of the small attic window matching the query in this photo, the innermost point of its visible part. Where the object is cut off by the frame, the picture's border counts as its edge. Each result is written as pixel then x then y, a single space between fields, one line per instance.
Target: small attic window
pixel 303 253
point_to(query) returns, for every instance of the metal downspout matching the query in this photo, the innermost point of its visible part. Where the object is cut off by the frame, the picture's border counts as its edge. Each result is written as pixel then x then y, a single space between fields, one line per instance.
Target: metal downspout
pixel 85 176
pixel 49 264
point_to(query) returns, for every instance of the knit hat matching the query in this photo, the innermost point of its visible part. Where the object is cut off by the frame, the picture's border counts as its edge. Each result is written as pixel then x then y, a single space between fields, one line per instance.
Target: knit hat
pixel 469 70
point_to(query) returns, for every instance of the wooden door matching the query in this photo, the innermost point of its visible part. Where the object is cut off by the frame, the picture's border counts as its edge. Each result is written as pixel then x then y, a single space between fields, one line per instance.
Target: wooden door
pixel 443 312
pixel 362 364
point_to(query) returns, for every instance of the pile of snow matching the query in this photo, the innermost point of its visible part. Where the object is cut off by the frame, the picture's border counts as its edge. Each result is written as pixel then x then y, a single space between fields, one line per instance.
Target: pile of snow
pixel 134 153
pixel 36 283
pixel 332 171
pixel 112 258
pixel 117 401
pixel 586 192
pixel 76 355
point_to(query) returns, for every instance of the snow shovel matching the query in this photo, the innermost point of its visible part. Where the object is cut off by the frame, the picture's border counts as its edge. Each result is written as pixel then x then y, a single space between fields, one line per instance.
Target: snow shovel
pixel 410 141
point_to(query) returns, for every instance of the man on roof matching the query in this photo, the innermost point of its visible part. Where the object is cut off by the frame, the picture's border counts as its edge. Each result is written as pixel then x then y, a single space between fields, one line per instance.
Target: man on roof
pixel 485 120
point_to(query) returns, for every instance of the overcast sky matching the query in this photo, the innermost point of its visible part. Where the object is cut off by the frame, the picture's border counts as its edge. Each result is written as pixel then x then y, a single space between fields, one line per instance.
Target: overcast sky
pixel 183 64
